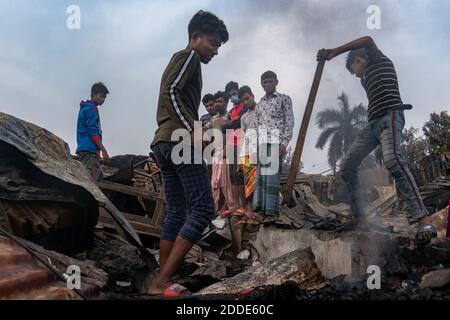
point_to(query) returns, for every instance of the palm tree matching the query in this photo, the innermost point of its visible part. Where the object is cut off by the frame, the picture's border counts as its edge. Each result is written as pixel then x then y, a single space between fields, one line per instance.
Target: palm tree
pixel 340 128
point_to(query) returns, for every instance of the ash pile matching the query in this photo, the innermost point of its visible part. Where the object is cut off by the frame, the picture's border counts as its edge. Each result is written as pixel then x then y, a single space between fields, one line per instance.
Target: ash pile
pixel 54 217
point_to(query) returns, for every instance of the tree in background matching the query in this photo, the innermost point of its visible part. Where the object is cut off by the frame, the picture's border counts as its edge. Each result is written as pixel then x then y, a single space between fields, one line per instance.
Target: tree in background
pixel 340 128
pixel 414 147
pixel 435 141
pixel 437 132
pixel 426 154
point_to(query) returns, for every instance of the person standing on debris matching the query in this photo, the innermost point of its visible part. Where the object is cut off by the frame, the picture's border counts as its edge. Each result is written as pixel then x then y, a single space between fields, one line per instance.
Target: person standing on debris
pixel 226 200
pixel 209 103
pixel 220 118
pixel 234 138
pixel 210 106
pixel 386 122
pixel 89 132
pixel 274 121
pixel 248 150
pixel 186 183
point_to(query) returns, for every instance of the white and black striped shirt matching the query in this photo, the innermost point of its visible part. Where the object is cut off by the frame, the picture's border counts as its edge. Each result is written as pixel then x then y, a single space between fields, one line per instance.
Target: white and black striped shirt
pixel 381 84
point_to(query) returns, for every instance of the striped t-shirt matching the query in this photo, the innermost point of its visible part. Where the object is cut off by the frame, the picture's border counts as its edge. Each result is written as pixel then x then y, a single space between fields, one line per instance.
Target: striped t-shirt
pixel 381 84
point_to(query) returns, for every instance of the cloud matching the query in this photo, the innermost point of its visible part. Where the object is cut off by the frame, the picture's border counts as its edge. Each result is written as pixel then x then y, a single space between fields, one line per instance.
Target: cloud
pixel 47 69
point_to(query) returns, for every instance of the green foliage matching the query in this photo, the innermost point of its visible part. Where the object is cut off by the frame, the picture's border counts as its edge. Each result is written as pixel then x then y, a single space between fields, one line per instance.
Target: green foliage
pixel 436 139
pixel 414 147
pixel 437 132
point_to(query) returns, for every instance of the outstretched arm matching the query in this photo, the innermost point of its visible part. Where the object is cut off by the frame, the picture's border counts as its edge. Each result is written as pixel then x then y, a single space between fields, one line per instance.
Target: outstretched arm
pixel 364 42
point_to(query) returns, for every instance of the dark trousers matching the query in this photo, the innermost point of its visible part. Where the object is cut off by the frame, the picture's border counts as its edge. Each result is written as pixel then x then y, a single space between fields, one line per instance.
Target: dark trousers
pixel 91 162
pixel 189 201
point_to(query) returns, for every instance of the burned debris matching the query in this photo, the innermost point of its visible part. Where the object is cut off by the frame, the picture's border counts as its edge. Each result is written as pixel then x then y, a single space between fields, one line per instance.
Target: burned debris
pixel 48 198
pixel 52 216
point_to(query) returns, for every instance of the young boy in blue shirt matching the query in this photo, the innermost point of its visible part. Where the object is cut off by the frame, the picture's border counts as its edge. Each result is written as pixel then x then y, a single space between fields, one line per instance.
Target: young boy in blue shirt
pixel 89 132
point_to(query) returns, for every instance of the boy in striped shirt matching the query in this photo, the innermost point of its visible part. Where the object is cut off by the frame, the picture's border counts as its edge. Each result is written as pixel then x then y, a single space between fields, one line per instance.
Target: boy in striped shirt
pixel 386 122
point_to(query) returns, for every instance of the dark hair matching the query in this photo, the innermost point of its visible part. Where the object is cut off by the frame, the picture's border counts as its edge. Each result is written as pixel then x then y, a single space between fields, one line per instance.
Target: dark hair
pixel 351 57
pixel 99 88
pixel 208 97
pixel 221 94
pixel 207 23
pixel 243 90
pixel 230 86
pixel 268 74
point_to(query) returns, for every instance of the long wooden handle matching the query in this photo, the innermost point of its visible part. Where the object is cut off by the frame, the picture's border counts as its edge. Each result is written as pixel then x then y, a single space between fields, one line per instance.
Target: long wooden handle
pixel 287 191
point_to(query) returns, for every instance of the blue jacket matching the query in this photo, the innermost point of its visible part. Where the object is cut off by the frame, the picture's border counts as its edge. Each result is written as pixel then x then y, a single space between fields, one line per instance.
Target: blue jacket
pixel 88 128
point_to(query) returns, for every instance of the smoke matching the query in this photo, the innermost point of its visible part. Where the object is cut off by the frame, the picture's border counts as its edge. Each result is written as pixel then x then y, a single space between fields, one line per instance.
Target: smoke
pixel 47 69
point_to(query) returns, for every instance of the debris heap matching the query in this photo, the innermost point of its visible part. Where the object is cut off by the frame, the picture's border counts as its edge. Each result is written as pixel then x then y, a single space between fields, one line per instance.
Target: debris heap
pixel 52 216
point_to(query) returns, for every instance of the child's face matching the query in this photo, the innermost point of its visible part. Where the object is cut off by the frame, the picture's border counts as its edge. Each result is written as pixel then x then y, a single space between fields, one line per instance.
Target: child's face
pixel 358 67
pixel 99 99
pixel 207 46
pixel 210 106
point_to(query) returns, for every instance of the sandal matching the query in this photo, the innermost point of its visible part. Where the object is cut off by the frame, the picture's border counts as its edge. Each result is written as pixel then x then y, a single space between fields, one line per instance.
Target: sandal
pixel 226 213
pixel 174 291
pixel 425 229
pixel 247 220
pixel 239 212
pixel 238 219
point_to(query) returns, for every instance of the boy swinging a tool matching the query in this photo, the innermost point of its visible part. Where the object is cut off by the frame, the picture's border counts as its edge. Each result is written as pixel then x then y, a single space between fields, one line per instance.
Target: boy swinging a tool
pixel 385 124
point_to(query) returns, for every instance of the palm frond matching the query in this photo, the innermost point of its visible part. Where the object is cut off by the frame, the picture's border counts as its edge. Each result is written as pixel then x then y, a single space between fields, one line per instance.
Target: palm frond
pixel 324 136
pixel 328 117
pixel 359 112
pixel 343 99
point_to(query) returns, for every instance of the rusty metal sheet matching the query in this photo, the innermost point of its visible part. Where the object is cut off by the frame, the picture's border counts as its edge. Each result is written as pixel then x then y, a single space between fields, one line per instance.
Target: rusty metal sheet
pixel 22 277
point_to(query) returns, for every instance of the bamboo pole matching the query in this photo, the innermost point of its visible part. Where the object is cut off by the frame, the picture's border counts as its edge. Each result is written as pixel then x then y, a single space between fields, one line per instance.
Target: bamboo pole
pixel 287 190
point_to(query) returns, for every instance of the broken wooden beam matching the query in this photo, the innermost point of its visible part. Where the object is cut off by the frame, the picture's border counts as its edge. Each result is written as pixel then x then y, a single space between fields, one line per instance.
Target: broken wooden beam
pixel 142 225
pixel 129 190
pixel 298 266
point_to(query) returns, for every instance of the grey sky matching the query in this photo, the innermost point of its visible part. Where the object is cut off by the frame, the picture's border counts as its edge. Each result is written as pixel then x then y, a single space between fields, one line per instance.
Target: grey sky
pixel 46 69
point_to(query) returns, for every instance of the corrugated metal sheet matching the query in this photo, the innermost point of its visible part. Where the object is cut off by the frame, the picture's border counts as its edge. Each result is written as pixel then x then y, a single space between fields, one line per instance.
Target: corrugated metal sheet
pixel 50 157
pixel 22 277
